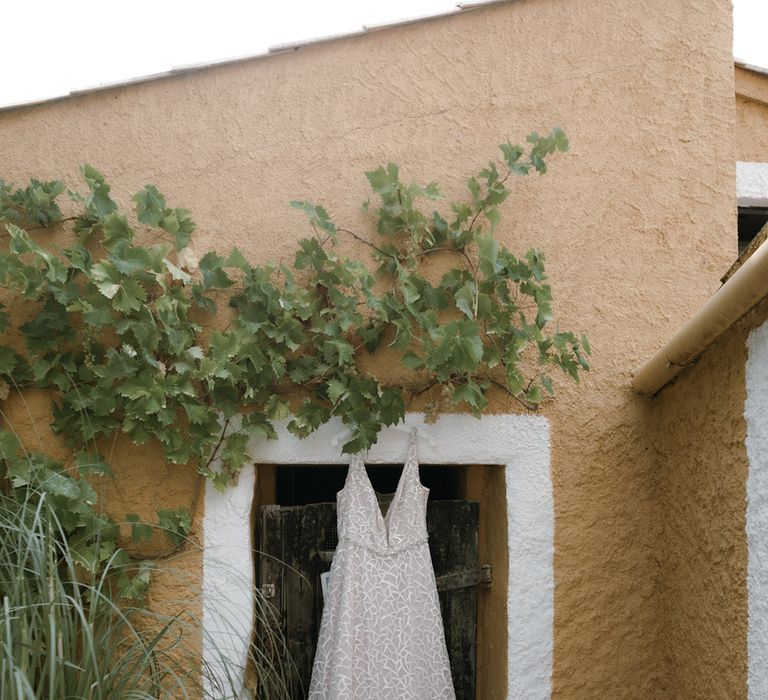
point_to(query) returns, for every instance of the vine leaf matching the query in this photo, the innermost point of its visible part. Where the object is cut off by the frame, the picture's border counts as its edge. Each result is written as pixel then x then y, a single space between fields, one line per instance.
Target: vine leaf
pixel 176 523
pixel 150 205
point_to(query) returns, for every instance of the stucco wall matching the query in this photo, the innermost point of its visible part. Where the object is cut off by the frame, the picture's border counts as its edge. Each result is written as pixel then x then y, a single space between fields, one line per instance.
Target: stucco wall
pixel 700 436
pixel 751 116
pixel 637 221
pixel 700 441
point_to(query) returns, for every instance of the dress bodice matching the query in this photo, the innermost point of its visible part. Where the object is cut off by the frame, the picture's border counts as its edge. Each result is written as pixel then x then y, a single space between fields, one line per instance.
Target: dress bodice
pixel 360 519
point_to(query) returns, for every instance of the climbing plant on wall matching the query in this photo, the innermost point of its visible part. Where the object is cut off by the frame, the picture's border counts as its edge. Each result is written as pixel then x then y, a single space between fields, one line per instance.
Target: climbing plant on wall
pixel 125 323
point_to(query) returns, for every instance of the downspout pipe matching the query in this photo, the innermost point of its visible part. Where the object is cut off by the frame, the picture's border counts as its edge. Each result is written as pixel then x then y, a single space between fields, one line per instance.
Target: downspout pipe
pixel 747 286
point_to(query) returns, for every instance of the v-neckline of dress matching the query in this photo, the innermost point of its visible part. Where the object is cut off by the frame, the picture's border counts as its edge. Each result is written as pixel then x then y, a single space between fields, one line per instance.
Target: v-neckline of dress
pixel 390 495
pixel 384 519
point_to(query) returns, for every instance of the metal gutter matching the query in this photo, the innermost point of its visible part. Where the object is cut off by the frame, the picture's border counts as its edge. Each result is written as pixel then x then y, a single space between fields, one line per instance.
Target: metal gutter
pixel 745 288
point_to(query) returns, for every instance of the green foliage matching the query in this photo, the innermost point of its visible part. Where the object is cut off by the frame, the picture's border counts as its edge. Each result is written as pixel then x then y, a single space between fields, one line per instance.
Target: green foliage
pixel 119 330
pixel 126 334
pixel 62 634
pixel 66 634
pixel 127 337
pixel 32 206
pixel 91 535
pixel 177 523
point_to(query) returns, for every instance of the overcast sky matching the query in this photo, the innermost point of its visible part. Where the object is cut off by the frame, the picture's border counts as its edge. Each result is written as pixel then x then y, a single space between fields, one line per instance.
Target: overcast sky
pixel 50 47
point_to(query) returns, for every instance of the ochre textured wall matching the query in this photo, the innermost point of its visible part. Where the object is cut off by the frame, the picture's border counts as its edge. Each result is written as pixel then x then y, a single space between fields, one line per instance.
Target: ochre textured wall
pixel 751 116
pixel 699 440
pixel 637 221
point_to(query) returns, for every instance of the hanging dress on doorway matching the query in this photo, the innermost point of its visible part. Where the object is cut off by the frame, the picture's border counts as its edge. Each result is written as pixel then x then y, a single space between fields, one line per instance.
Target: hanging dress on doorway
pixel 381 635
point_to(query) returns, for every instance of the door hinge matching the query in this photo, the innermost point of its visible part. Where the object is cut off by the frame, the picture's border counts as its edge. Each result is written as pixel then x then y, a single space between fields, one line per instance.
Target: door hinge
pixel 465 579
pixel 267 590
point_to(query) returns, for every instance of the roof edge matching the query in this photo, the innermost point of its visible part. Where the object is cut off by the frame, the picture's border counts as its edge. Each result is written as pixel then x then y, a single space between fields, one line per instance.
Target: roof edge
pixel 750 67
pixel 275 50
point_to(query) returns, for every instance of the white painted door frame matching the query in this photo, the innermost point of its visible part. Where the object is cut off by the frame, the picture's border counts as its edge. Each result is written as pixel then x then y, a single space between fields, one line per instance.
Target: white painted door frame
pixel 519 443
pixel 751 184
pixel 756 416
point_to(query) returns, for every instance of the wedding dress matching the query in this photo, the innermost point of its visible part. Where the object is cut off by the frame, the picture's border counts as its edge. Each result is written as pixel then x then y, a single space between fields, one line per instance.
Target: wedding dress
pixel 381 635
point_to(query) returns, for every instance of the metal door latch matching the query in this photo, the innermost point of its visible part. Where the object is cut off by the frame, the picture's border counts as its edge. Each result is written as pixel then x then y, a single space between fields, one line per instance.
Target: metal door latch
pixel 267 590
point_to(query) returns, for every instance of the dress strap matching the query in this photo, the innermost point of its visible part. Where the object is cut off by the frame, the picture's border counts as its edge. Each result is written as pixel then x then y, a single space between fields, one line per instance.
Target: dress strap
pixel 355 470
pixel 412 459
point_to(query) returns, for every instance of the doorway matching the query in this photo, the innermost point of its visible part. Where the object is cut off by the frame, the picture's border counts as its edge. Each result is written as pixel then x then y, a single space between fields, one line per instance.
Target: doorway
pixel 296 536
pixel 515 616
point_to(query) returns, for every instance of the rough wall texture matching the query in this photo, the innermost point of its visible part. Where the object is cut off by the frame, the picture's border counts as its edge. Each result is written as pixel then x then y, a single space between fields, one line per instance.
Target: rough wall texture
pixel 639 213
pixel 751 116
pixel 699 439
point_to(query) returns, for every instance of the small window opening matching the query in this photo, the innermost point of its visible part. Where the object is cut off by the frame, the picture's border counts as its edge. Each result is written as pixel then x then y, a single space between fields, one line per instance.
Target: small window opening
pixel 751 220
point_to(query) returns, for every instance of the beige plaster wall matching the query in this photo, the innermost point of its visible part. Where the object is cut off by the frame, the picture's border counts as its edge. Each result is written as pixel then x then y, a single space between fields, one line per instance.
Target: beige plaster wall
pixel 751 131
pixel 751 116
pixel 637 221
pixel 699 438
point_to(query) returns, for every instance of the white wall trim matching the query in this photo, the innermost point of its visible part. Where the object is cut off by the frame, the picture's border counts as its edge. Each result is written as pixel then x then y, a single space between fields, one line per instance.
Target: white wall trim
pixel 521 443
pixel 752 184
pixel 756 415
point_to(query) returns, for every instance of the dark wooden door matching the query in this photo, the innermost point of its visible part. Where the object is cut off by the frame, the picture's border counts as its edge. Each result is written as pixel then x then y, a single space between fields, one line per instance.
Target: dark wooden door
pixel 296 545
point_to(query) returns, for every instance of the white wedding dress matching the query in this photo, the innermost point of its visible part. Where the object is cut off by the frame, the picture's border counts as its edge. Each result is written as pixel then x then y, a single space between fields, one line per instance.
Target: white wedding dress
pixel 381 635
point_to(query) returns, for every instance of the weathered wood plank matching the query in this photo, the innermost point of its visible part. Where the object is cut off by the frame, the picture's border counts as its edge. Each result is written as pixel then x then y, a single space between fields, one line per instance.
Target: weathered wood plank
pixel 453 543
pixel 270 595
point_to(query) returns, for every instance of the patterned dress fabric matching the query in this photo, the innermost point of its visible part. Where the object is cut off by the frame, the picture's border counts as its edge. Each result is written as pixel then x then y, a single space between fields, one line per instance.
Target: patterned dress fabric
pixel 381 635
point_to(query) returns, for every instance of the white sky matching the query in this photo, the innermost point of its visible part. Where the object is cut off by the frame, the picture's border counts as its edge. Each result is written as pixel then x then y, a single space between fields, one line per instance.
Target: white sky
pixel 50 47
